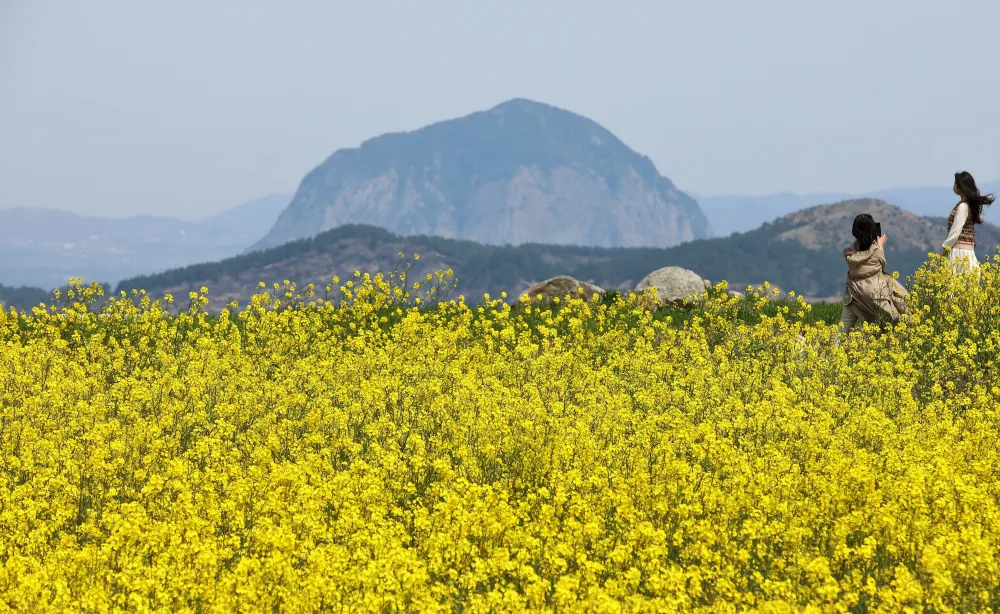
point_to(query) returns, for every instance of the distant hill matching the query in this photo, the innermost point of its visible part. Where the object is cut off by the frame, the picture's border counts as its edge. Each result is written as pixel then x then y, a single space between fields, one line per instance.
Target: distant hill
pixel 521 172
pixel 729 214
pixel 246 223
pixel 828 227
pixel 44 247
pixel 23 297
pixel 800 252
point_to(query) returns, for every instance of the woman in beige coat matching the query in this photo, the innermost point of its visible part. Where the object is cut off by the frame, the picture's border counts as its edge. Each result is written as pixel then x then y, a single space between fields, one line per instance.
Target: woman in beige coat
pixel 871 294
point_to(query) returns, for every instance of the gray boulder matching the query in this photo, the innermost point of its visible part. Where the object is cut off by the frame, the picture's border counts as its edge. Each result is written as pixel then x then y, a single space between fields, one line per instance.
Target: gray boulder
pixel 559 287
pixel 674 285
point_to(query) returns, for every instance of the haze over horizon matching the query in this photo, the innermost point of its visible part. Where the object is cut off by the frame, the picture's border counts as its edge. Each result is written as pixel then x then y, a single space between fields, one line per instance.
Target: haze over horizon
pixel 188 109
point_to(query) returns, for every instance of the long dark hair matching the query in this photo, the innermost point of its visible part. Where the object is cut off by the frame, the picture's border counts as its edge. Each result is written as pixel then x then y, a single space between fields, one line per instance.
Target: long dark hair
pixel 864 231
pixel 965 185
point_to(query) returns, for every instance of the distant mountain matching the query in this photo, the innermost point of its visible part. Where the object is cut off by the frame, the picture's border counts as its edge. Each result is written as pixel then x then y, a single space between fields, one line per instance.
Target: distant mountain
pixel 520 172
pixel 246 224
pixel 729 214
pixel 828 227
pixel 800 252
pixel 45 247
pixel 23 297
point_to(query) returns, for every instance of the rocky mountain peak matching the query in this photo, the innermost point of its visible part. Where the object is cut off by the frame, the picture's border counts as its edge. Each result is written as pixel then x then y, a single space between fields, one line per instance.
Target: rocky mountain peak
pixel 520 172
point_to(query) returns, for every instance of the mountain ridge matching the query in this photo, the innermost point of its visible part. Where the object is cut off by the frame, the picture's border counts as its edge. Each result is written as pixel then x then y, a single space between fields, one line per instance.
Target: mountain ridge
pixel 45 247
pixel 779 252
pixel 742 213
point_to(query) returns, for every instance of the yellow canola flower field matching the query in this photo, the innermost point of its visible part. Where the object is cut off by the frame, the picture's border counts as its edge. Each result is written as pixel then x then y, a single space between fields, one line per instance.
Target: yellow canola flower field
pixel 376 454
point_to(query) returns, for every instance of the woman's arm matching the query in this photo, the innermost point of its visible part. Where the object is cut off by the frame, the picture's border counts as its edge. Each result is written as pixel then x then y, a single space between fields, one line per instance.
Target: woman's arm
pixel 879 253
pixel 961 216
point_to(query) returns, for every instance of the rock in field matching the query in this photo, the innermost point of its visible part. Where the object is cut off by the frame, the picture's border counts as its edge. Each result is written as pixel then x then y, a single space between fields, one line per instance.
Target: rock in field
pixel 673 284
pixel 560 286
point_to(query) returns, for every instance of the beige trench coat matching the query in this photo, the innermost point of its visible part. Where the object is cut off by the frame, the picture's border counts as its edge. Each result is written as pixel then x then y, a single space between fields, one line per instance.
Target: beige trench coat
pixel 871 293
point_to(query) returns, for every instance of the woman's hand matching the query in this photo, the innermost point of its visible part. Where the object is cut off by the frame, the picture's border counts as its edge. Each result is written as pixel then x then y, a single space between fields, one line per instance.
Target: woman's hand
pixel 881 240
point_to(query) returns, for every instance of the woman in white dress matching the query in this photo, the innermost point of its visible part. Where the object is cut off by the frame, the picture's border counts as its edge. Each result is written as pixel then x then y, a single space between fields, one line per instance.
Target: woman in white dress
pixel 967 213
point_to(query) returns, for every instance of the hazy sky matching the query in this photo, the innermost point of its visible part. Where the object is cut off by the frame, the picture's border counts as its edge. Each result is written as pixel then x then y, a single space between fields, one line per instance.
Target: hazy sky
pixel 191 107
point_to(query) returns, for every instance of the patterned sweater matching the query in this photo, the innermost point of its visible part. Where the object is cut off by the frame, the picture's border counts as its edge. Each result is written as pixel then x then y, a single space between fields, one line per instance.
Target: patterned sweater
pixel 962 232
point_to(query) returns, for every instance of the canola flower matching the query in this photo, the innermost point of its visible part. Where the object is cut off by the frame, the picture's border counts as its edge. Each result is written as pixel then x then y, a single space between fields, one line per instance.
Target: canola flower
pixel 380 454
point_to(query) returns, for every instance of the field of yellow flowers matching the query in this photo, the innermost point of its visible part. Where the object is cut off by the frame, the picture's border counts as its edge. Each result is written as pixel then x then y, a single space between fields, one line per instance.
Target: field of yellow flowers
pixel 379 454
